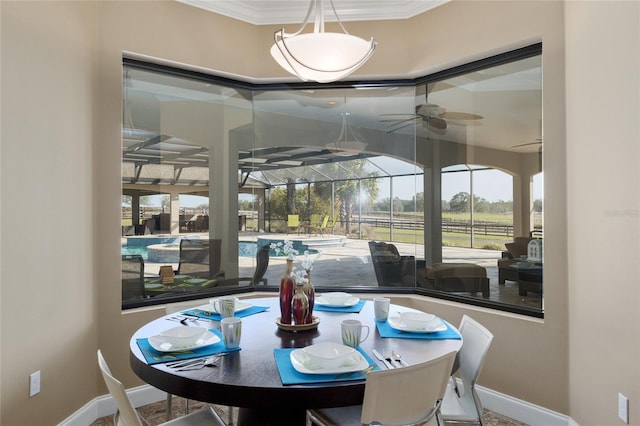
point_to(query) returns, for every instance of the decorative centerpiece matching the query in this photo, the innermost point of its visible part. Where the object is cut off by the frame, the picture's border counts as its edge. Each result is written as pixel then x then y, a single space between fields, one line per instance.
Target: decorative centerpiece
pixel 296 292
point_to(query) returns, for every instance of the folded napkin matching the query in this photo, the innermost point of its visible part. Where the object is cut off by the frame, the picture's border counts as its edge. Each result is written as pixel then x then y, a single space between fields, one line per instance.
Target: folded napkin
pixel 216 316
pixel 386 330
pixel 155 357
pixel 290 376
pixel 347 309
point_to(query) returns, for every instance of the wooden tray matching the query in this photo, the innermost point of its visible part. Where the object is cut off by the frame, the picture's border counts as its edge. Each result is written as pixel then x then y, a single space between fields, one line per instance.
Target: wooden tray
pixel 303 327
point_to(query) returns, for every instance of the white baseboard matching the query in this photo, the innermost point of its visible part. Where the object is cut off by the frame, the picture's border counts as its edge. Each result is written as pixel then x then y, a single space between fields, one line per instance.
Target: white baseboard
pixel 520 410
pixel 506 405
pixel 105 406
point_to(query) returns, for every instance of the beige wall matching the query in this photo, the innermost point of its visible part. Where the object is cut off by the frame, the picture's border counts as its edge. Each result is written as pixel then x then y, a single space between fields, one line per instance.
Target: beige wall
pixel 603 63
pixel 61 84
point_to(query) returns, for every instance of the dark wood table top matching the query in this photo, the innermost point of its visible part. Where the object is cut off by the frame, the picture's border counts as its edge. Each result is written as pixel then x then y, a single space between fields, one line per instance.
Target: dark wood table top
pixel 249 378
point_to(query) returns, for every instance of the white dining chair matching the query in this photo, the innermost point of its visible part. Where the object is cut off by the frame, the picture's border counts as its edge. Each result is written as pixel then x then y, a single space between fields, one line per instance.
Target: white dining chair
pixel 172 308
pixel 462 403
pixel 126 414
pixel 401 396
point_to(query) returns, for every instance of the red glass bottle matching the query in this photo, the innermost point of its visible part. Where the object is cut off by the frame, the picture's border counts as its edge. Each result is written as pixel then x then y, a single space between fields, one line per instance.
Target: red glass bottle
pixel 310 292
pixel 299 306
pixel 286 293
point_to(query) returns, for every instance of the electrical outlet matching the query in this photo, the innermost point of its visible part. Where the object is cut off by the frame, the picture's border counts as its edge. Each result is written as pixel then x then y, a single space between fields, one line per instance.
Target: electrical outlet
pixel 623 408
pixel 34 383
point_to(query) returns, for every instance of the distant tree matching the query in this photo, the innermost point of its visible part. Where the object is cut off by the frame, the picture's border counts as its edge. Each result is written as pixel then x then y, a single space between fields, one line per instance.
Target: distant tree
pixel 537 206
pixel 459 202
pixel 398 205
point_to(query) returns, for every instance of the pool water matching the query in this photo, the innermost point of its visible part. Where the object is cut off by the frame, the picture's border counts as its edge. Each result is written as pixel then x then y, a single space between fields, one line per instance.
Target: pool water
pixel 245 249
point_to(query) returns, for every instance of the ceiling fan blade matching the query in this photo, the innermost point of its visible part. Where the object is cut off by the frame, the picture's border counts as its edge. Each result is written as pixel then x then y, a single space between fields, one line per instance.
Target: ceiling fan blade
pixel 527 144
pixel 453 115
pixel 398 126
pixel 397 120
pixel 435 122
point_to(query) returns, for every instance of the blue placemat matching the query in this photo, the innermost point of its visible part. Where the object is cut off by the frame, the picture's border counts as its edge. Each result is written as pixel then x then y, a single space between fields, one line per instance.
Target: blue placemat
pixel 386 330
pixel 155 357
pixel 290 376
pixel 348 309
pixel 216 316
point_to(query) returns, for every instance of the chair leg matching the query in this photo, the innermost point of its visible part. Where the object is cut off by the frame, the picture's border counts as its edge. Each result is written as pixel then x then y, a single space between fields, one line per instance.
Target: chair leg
pixel 168 406
pixel 186 406
pixel 230 416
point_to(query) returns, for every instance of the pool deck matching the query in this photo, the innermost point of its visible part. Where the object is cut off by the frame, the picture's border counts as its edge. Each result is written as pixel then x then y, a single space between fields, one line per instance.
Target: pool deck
pixel 349 265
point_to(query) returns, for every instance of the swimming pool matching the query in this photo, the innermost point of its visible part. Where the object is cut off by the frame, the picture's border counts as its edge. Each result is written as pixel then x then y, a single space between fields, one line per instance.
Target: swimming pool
pixel 245 249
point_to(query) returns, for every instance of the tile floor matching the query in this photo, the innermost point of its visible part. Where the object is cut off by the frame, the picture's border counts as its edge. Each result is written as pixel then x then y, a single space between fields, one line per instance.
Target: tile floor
pixel 156 414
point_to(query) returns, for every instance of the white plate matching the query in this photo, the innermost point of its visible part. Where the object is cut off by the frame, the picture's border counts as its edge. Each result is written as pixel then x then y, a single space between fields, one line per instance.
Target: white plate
pixel 352 301
pixel 303 364
pixel 181 277
pixel 240 306
pixel 160 344
pixel 195 281
pixel 432 326
pixel 154 285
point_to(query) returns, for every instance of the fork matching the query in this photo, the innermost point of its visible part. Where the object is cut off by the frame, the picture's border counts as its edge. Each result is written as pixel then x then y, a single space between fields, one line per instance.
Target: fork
pixel 209 361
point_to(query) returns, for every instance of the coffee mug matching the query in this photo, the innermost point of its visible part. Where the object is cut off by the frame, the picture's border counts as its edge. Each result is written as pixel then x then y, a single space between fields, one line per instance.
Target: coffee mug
pixel 381 308
pixel 352 332
pixel 231 331
pixel 225 306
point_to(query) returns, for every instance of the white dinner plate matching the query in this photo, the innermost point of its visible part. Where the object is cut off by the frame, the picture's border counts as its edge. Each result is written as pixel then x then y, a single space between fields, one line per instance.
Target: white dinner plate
pixel 160 344
pixel 181 277
pixel 303 364
pixel 240 306
pixel 352 301
pixel 195 281
pixel 432 326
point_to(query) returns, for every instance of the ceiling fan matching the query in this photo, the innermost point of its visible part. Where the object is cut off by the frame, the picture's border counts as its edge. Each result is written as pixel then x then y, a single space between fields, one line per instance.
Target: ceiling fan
pixel 431 115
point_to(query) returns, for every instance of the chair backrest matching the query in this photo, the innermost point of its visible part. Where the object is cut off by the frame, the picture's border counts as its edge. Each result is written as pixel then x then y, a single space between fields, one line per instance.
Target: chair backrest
pixel 391 269
pixel 315 220
pixel 293 220
pixel 262 263
pixel 406 395
pixel 476 343
pixel 127 415
pixel 132 277
pixel 200 257
pixel 325 221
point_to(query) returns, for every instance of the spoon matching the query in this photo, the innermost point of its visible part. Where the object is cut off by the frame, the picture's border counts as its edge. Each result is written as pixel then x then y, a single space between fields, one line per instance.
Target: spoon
pixel 398 358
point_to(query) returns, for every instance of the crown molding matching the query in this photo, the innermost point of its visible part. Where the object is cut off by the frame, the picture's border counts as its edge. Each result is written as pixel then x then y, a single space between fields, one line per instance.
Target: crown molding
pixel 269 12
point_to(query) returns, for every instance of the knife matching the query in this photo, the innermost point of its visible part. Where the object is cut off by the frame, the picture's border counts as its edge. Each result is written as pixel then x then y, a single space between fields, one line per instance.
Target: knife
pixel 381 358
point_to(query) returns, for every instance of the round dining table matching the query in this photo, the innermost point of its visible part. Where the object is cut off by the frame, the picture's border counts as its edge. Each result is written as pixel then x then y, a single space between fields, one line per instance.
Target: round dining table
pixel 249 378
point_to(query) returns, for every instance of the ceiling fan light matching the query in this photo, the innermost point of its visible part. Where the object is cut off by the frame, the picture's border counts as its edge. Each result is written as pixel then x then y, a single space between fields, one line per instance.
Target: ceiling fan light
pixel 320 56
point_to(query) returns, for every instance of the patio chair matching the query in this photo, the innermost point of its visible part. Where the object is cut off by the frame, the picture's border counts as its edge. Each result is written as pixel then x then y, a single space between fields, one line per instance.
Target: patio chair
pixel 262 263
pixel 126 414
pixel 392 270
pixel 293 223
pixel 314 222
pixel 333 224
pixel 465 405
pixel 200 258
pixel 402 396
pixel 323 225
pixel 133 277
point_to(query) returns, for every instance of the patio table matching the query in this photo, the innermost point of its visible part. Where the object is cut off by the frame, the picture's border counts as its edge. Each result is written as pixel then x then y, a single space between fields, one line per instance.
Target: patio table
pixel 250 378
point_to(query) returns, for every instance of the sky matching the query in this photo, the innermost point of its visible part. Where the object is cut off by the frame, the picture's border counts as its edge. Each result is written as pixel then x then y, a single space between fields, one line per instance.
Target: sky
pixel 492 185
